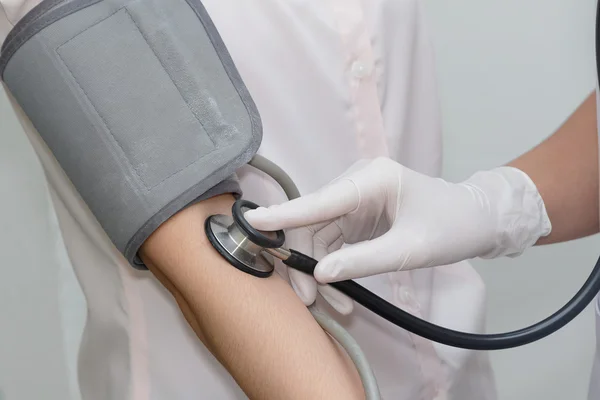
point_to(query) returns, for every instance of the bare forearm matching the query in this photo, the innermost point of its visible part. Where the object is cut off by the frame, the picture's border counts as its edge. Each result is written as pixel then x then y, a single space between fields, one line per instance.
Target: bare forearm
pixel 565 170
pixel 257 328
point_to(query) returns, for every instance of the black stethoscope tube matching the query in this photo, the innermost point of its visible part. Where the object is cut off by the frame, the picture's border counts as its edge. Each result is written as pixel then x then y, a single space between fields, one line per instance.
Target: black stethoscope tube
pixel 451 337
pixel 403 319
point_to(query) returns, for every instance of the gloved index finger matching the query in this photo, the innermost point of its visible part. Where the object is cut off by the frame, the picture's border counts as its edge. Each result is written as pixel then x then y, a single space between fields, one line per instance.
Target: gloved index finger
pixel 330 202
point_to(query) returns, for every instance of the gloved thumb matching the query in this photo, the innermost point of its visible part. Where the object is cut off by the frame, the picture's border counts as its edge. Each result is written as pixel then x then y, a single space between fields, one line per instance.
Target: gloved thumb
pixel 339 301
pixel 304 285
pixel 384 254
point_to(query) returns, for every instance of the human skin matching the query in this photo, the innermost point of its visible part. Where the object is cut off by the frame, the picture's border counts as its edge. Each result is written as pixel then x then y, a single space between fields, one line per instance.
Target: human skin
pixel 257 328
pixel 564 168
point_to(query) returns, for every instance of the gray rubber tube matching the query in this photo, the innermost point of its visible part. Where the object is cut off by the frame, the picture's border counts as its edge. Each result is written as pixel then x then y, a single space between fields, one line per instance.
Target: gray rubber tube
pixel 326 322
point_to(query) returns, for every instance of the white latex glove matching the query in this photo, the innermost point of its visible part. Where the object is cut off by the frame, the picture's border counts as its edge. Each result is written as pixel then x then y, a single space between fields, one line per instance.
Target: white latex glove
pixel 316 243
pixel 396 219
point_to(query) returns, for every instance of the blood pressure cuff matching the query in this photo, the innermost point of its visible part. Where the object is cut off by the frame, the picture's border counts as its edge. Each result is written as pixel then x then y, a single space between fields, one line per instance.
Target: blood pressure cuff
pixel 140 103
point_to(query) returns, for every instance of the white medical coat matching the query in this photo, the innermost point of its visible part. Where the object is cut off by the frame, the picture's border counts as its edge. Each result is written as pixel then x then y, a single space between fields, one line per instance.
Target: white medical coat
pixel 334 81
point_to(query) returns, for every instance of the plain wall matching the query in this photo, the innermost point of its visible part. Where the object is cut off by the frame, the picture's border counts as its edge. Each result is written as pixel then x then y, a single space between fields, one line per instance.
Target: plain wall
pixel 510 72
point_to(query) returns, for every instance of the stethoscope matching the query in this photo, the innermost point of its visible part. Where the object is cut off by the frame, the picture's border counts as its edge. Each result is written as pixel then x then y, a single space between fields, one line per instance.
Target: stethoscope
pixel 253 251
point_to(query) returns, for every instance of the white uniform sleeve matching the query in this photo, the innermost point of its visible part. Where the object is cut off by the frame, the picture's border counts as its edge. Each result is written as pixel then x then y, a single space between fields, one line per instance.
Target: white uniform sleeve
pixel 14 10
pixel 35 319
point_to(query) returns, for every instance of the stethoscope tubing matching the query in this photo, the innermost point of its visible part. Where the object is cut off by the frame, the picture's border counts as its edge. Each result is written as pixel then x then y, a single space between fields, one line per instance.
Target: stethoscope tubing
pixel 453 338
pixel 405 320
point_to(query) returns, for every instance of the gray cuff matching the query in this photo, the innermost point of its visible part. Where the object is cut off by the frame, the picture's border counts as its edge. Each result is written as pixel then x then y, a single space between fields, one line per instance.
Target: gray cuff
pixel 140 103
pixel 230 185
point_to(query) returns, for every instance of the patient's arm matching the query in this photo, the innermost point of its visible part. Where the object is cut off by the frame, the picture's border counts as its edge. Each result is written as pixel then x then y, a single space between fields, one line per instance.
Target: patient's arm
pixel 257 328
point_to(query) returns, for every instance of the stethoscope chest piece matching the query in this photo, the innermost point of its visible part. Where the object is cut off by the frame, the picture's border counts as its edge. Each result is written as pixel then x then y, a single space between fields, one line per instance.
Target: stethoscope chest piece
pixel 240 244
pixel 236 248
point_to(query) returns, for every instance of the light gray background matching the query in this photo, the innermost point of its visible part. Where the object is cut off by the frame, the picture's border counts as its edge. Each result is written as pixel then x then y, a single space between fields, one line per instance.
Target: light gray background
pixel 510 72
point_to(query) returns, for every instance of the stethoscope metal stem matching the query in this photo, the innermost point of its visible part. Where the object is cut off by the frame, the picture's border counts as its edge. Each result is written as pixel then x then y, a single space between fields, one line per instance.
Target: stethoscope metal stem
pixel 281 253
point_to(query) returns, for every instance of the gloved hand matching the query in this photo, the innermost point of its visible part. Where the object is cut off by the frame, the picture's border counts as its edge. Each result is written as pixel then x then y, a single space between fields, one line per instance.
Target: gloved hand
pixel 315 243
pixel 393 219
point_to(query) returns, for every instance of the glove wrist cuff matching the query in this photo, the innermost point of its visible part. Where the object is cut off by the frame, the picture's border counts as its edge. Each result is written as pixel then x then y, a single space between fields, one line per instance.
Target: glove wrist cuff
pixel 520 213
